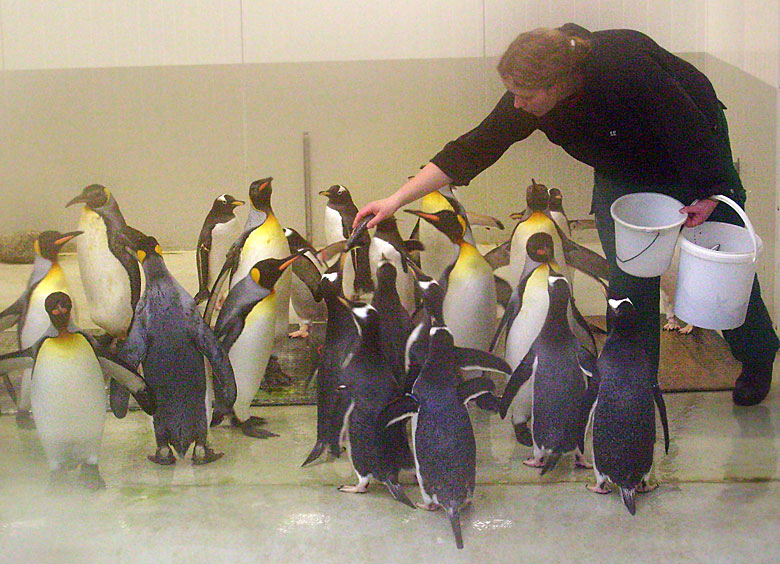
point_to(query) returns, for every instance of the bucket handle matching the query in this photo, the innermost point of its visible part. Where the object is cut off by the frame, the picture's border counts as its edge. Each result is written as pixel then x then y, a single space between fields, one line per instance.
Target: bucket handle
pixel 650 244
pixel 745 220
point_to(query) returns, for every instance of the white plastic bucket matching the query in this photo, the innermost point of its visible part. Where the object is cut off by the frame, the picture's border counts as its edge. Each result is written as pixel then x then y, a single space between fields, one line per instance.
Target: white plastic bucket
pixel 646 228
pixel 713 286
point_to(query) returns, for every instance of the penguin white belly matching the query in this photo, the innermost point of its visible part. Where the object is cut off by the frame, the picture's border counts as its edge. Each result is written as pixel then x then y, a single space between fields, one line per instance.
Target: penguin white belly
pixel 404 281
pixel 268 241
pixel 470 304
pixel 439 251
pixel 105 280
pixel 222 237
pixel 249 354
pixel 68 400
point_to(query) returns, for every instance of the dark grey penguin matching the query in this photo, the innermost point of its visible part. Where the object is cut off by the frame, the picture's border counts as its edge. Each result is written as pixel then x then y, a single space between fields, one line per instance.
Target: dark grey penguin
pixel 564 384
pixel 340 212
pixel 341 337
pixel 109 272
pixel 220 229
pixel 444 446
pixel 369 384
pixel 170 339
pixel 624 416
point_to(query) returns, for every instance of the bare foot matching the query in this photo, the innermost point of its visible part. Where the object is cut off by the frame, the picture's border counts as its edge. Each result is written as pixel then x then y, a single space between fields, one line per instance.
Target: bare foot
pixel 301 333
pixel 686 330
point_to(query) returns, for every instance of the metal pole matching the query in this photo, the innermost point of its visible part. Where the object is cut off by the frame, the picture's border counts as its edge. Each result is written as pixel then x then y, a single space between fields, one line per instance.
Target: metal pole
pixel 307 185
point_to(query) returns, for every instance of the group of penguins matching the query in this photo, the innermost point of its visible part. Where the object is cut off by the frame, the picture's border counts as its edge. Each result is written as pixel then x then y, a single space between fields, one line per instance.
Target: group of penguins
pixel 396 370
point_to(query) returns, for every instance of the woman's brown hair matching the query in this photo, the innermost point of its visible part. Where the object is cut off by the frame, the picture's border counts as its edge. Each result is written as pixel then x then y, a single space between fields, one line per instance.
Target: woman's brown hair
pixel 542 58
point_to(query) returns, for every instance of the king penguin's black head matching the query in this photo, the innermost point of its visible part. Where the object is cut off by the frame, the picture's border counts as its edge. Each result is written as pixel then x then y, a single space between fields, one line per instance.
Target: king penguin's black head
pixel 540 247
pixel 49 243
pixel 93 196
pixel 145 247
pixel 556 200
pixel 260 194
pixel 58 306
pixel 537 197
pixel 446 221
pixel 266 272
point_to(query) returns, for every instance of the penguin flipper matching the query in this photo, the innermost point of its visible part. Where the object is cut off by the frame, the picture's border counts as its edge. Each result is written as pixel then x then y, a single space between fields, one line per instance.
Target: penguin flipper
pixel 119 248
pixel 216 290
pixel 511 309
pixel 398 410
pixel 588 366
pixel 475 359
pixel 222 372
pixel 586 261
pixel 519 377
pixel 118 398
pixel 498 256
pixel 308 273
pixel 202 264
pixel 659 401
pixel 133 349
pixel 11 315
pixel 475 387
pixel 132 381
pixel 488 221
pixel 503 291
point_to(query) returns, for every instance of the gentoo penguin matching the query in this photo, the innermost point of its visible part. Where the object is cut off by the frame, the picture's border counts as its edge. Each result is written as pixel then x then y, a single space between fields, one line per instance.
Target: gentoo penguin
pixel 387 244
pixel 340 212
pixel 304 284
pixel 341 338
pixel 369 386
pixel 28 312
pixel 555 207
pixel 109 272
pixel 170 339
pixel 624 416
pixel 395 323
pixel 263 237
pixel 523 319
pixel 562 371
pixel 442 436
pixel 220 229
pixel 416 350
pixel 469 289
pixel 245 328
pixel 68 391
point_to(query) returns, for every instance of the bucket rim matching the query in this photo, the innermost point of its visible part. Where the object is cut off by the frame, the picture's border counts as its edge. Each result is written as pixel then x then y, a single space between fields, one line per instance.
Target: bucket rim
pixel 641 228
pixel 718 256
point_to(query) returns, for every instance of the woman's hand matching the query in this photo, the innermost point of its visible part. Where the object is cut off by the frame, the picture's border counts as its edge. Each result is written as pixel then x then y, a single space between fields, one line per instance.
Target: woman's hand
pixel 381 209
pixel 698 212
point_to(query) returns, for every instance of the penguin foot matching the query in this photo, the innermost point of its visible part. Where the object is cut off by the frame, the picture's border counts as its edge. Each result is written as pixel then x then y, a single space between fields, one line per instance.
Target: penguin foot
pixel 275 377
pixel 356 489
pixel 534 462
pixel 301 333
pixel 163 456
pixel 251 428
pixel 236 422
pixel 428 506
pixel 581 462
pixel 599 489
pixel 523 434
pixel 24 420
pixel 203 454
pixel 645 487
pixel 90 477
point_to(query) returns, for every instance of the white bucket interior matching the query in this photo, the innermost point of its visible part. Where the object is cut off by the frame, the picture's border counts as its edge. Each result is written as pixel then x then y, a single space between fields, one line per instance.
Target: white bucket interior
pixel 646 229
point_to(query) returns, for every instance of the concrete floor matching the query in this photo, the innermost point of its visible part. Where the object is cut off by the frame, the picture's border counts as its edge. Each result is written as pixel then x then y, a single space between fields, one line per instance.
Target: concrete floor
pixel 718 500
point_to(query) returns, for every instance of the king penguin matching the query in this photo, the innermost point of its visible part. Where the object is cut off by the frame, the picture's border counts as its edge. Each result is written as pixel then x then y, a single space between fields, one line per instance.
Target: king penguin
pixel 443 441
pixel 68 391
pixel 340 212
pixel 109 272
pixel 28 312
pixel 564 384
pixel 245 328
pixel 219 231
pixel 624 415
pixel 170 339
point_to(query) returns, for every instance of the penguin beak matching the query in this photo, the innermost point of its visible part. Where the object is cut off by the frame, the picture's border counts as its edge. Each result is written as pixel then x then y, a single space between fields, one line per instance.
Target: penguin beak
pixel 291 259
pixel 323 193
pixel 80 199
pixel 237 203
pixel 429 216
pixel 67 237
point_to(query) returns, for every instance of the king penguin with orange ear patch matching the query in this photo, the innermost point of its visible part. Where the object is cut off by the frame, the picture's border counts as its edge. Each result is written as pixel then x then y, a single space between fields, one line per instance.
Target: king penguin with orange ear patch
pixel 68 391
pixel 245 327
pixel 28 312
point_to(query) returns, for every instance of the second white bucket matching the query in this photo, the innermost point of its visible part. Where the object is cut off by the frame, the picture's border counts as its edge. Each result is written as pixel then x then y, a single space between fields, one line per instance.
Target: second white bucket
pixel 646 228
pixel 717 267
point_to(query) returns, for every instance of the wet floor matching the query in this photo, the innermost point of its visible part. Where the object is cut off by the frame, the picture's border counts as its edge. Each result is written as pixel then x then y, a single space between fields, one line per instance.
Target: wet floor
pixel 718 500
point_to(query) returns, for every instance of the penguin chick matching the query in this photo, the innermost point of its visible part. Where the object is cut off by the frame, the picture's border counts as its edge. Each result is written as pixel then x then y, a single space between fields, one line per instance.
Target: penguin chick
pixel 220 229
pixel 624 416
pixel 442 435
pixel 245 329
pixel 170 340
pixel 109 272
pixel 28 312
pixel 68 393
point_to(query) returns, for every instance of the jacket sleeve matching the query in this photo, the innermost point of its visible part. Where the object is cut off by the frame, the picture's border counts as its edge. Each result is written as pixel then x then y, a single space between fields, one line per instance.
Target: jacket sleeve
pixel 471 153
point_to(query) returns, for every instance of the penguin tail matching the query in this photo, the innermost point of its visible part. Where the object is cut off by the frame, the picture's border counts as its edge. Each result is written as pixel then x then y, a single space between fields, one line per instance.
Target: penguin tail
pixel 453 514
pixel 628 495
pixel 398 493
pixel 550 462
pixel 315 453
